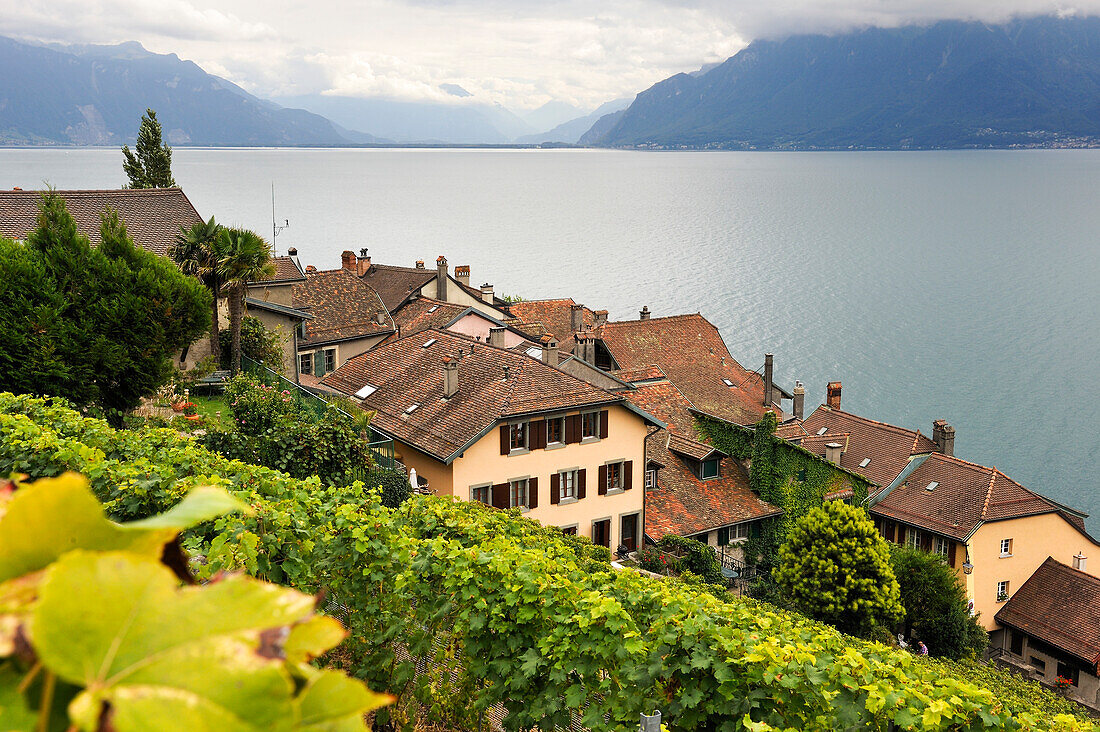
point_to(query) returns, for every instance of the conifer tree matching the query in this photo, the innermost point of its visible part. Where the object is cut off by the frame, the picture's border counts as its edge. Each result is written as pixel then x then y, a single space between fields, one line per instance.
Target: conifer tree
pixel 150 166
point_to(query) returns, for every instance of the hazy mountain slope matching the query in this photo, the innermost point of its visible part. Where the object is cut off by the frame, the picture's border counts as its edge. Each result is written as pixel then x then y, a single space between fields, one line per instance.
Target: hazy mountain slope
pixel 572 130
pixel 95 95
pixel 552 114
pixel 951 84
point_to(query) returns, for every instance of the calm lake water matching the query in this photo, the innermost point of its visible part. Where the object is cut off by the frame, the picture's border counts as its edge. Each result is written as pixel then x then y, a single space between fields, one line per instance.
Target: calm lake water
pixel 961 285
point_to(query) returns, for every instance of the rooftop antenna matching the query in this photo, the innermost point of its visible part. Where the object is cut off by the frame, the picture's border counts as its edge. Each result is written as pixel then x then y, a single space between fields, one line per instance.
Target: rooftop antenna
pixel 276 229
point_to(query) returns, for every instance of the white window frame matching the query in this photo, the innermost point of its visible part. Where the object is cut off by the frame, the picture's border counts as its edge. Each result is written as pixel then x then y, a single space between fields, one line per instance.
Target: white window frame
pixel 739 532
pixel 717 469
pixel 1006 547
pixel 912 538
pixel 615 482
pixel 519 488
pixel 1002 590
pixel 525 429
pixel 567 485
pixel 942 546
pixel 595 417
pixel 651 478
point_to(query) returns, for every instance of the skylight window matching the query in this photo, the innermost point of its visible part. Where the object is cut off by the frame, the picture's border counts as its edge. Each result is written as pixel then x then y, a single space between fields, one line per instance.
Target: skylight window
pixel 534 352
pixel 931 486
pixel 865 462
pixel 430 342
pixel 412 408
pixel 727 382
pixel 433 308
pixel 366 391
pixel 823 430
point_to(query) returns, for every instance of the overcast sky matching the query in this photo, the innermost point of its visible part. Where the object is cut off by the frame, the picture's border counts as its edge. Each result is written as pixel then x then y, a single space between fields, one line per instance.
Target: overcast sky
pixel 520 53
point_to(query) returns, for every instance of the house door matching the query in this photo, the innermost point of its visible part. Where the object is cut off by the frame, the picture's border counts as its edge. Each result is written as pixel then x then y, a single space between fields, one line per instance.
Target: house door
pixel 628 532
pixel 601 532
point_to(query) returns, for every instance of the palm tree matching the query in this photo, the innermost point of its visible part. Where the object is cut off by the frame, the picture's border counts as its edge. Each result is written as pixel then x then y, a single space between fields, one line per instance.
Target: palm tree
pixel 193 252
pixel 240 257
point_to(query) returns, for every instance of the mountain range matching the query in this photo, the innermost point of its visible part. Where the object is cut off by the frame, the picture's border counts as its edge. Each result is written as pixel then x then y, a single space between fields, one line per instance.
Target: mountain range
pixel 1032 82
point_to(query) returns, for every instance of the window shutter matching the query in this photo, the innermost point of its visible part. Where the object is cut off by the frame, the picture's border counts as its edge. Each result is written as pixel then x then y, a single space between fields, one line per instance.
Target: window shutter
pixel 628 474
pixel 926 541
pixel 533 493
pixel 500 495
pixel 723 536
pixel 951 553
pixel 318 363
pixel 504 440
pixel 572 429
pixel 536 435
pixel 603 424
pixel 555 487
pixel 602 487
pixel 580 483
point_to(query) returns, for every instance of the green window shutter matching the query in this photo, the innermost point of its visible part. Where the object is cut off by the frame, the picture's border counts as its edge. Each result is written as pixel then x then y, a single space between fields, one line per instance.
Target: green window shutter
pixel 723 537
pixel 318 363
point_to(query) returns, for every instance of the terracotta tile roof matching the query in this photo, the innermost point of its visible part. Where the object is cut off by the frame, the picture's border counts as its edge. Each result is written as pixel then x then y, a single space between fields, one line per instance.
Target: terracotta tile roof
pixel 691 352
pixel 395 284
pixel 286 270
pixel 409 371
pixel 790 429
pixel 342 305
pixel 153 216
pixel 965 495
pixel 1058 605
pixel 550 316
pixel 424 313
pixel 638 375
pixel 683 504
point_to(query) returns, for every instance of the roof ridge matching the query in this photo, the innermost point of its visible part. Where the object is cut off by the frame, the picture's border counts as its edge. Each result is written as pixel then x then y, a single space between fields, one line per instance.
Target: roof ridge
pixel 549 299
pixel 878 422
pixel 989 492
pixel 662 317
pixel 99 191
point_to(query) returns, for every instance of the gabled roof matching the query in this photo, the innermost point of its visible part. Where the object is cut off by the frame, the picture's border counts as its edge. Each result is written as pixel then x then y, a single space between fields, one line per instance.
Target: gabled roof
pixel 887 446
pixel 691 352
pixel 286 271
pixel 153 216
pixel 396 284
pixel 965 496
pixel 554 316
pixel 1060 606
pixel 409 371
pixel 662 399
pixel 424 313
pixel 343 307
pixel 274 307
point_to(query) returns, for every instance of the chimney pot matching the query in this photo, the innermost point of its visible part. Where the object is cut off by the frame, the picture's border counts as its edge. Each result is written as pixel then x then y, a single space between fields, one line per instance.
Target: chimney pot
pixel 310 269
pixel 450 377
pixel 487 293
pixel 833 451
pixel 769 366
pixel 292 252
pixel 832 395
pixel 363 252
pixel 1079 560
pixel 549 350
pixel 643 314
pixel 347 260
pixel 462 274
pixel 799 407
pixel 496 336
pixel 601 317
pixel 420 264
pixel 576 317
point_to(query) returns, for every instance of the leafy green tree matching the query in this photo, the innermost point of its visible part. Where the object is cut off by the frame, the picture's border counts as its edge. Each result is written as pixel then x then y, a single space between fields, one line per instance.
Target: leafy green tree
pixel 835 567
pixel 935 605
pixel 151 165
pixel 193 252
pixel 99 326
pixel 257 343
pixel 240 256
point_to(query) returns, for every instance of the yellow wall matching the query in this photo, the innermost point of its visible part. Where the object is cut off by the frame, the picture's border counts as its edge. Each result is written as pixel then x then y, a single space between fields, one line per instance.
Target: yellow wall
pixel 482 463
pixel 1033 540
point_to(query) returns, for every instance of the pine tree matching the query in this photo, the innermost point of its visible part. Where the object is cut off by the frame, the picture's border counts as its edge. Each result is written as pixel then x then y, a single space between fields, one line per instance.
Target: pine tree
pixel 151 165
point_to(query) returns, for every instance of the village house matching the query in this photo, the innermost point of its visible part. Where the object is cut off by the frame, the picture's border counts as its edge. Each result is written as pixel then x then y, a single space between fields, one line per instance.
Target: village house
pixel 485 423
pixel 1050 628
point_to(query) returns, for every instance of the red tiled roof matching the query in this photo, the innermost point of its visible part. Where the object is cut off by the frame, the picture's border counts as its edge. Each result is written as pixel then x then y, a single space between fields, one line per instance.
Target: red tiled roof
pixel 395 284
pixel 153 216
pixel 1060 606
pixel 286 270
pixel 410 371
pixel 683 504
pixel 424 313
pixel 554 316
pixel 665 402
pixel 644 373
pixel 691 352
pixel 342 305
pixel 790 429
pixel 966 495
pixel 888 447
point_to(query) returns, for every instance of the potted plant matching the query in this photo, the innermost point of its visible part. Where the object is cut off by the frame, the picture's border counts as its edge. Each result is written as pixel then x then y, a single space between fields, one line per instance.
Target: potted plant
pixel 1061 683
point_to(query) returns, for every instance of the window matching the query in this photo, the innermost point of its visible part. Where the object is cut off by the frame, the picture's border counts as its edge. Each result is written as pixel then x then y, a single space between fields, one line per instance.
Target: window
pixel 412 408
pixel 651 479
pixel 590 425
pixel 481 493
pixel 864 462
pixel 555 431
pixel 601 532
pixel 614 476
pixel 569 530
pixel 942 546
pixel 305 363
pixel 517 436
pixel 912 539
pixel 1006 547
pixel 723 537
pixel 708 469
pixel 823 430
pixel 567 484
pixel 628 532
pixel 366 391
pixel 738 532
pixel 727 382
pixel 1039 664
pixel 1067 671
pixel 429 343
pixel 517 493
pixel 330 360
pixel 1002 590
pixel 534 352
pixel 1016 645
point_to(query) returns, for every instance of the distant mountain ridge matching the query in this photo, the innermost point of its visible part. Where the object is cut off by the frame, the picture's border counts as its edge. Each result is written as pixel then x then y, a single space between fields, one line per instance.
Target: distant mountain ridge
pixel 95 95
pixel 1033 82
pixel 572 130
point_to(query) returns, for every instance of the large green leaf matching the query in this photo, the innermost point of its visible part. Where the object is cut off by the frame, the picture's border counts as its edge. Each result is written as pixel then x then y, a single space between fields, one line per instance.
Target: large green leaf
pixel 334 703
pixel 166 657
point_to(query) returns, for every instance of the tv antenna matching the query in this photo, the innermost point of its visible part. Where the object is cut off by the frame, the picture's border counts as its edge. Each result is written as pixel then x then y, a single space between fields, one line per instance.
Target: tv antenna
pixel 276 228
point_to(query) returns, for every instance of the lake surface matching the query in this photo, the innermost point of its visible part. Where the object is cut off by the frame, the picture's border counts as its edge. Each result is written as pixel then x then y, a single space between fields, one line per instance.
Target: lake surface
pixel 961 285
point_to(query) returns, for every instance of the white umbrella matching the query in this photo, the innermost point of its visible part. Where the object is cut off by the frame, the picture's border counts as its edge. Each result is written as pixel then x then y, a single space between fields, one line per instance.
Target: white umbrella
pixel 412 478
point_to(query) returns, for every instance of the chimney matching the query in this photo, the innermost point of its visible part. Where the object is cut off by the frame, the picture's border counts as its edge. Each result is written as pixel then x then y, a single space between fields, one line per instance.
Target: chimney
pixel 347 260
pixel 1079 560
pixel 576 318
pixel 420 264
pixel 292 252
pixel 450 377
pixel 643 314
pixel 380 317
pixel 441 278
pixel 505 372
pixel 601 317
pixel 364 262
pixel 943 435
pixel 832 395
pixel 769 367
pixel 549 350
pixel 833 451
pixel 799 407
pixel 496 336
pixel 487 293
pixel 462 274
pixel 310 269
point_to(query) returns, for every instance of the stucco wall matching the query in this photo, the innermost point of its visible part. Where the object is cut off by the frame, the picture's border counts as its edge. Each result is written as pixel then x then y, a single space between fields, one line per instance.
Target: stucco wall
pixel 279 294
pixel 346 349
pixel 458 296
pixel 286 328
pixel 1087 690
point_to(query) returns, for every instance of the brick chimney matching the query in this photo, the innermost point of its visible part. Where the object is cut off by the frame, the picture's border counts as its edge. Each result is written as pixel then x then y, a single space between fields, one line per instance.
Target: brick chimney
pixel 450 377
pixel 943 435
pixel 462 274
pixel 799 407
pixel 496 336
pixel 601 317
pixel 441 278
pixel 832 395
pixel 833 451
pixel 643 314
pixel 364 262
pixel 549 350
pixel 1079 560
pixel 487 293
pixel 769 368
pixel 347 260
pixel 576 318
pixel 420 264
pixel 310 269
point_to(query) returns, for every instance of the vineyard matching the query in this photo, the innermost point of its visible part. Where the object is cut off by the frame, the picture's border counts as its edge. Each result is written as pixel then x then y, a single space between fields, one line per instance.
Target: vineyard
pixel 454 608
